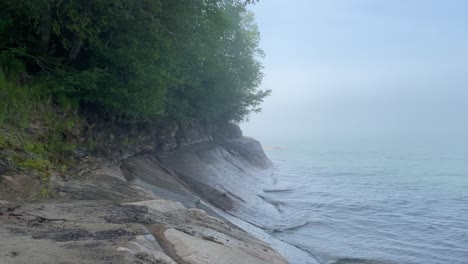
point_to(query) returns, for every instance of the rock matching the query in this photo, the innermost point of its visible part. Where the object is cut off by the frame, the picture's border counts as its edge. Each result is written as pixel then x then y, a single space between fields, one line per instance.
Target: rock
pixel 197 250
pixel 80 232
pixel 160 205
pixel 3 168
pixel 3 207
pixel 145 248
pixel 146 202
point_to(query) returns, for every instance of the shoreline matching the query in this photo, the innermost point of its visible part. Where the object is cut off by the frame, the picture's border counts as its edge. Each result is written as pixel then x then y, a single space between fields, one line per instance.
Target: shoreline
pixel 162 206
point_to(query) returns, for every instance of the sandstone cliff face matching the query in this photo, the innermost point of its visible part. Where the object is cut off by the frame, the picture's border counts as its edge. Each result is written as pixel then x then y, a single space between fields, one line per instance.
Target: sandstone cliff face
pixel 149 194
pixel 124 140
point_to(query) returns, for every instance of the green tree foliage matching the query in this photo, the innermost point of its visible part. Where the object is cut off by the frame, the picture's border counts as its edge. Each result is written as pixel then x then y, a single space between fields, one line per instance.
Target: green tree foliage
pixel 139 59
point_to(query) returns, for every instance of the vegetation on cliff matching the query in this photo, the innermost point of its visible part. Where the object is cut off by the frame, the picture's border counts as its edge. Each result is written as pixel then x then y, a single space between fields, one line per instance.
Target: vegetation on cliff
pixel 127 60
pixel 135 59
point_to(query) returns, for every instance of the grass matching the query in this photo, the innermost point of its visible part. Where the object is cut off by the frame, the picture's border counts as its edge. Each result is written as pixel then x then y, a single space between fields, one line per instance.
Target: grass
pixel 40 165
pixel 33 130
pixel 46 193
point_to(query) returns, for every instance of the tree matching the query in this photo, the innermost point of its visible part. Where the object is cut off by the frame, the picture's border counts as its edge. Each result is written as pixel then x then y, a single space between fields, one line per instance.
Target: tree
pixel 140 59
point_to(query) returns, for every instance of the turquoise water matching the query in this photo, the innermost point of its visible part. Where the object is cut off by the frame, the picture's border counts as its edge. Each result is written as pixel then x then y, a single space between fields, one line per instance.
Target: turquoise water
pixel 373 203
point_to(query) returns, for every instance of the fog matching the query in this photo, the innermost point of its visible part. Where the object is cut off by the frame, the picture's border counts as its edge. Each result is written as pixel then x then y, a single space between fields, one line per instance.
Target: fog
pixel 363 69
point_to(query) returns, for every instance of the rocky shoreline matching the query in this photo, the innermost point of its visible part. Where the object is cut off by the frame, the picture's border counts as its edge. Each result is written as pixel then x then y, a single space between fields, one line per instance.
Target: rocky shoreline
pixel 153 202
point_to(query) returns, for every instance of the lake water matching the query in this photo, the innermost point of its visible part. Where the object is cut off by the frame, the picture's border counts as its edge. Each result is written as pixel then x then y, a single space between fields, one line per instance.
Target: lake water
pixel 372 203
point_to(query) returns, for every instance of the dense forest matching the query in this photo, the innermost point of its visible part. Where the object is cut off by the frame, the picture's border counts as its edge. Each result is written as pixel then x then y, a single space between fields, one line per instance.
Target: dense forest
pixel 135 60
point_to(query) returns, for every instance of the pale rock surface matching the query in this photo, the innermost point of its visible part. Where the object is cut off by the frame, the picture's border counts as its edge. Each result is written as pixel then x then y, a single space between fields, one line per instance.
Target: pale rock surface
pixel 146 207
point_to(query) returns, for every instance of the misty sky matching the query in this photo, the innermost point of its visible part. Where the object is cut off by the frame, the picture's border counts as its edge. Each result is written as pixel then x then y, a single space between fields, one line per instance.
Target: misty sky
pixel 361 68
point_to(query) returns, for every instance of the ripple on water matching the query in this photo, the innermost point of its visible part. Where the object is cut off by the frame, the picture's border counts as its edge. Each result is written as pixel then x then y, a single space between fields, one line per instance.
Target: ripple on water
pixel 371 209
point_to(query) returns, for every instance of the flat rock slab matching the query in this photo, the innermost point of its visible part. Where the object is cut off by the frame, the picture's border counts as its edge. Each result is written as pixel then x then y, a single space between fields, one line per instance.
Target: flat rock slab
pixel 159 205
pixel 140 212
pixel 208 250
pixel 103 232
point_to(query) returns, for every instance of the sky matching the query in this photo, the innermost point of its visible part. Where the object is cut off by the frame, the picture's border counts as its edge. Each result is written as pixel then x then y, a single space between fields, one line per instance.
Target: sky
pixel 362 68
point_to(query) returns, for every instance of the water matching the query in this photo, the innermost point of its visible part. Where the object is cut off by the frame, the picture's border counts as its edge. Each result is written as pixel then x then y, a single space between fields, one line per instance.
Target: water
pixel 363 203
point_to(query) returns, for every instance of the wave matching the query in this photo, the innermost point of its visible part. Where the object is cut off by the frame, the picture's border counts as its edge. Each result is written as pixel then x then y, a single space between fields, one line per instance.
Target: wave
pixel 290 228
pixel 277 190
pixel 358 261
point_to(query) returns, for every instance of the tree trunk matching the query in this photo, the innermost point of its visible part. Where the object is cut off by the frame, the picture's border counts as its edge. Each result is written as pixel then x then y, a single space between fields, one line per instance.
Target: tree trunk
pixel 77 42
pixel 45 28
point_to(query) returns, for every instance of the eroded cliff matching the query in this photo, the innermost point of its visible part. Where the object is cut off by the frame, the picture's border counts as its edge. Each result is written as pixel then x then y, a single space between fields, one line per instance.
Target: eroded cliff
pixel 144 194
